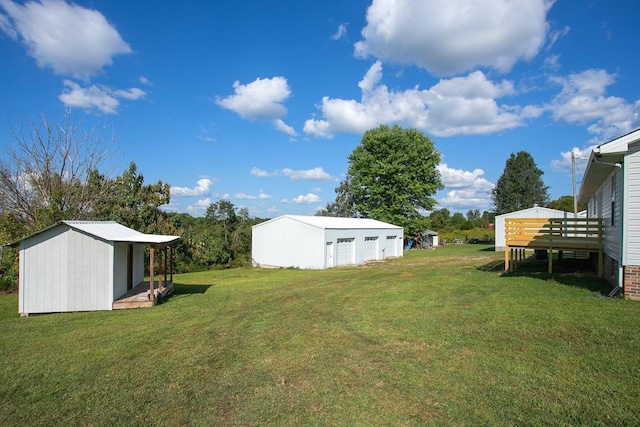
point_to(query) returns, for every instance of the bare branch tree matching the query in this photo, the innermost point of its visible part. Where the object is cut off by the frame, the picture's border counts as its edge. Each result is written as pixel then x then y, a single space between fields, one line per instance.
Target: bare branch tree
pixel 53 170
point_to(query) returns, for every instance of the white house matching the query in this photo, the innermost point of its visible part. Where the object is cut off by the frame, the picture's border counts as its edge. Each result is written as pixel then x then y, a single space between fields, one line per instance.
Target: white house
pixel 81 265
pixel 611 188
pixel 534 212
pixel 318 242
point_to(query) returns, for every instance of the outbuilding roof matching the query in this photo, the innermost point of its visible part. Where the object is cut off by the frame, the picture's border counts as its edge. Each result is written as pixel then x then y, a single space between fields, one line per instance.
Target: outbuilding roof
pixel 110 231
pixel 330 222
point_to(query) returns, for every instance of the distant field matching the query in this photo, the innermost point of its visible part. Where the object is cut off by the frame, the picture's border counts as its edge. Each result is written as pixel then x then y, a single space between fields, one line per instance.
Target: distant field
pixel 435 338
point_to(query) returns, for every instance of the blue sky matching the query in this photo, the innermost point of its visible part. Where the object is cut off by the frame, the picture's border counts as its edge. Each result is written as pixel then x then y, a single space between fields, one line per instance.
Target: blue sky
pixel 261 102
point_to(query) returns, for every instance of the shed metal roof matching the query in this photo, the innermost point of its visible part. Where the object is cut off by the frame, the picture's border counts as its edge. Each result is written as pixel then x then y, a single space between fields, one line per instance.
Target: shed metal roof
pixel 111 231
pixel 329 222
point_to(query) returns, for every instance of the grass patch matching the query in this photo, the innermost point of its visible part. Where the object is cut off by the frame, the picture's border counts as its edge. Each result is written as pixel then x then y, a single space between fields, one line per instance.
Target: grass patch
pixel 435 338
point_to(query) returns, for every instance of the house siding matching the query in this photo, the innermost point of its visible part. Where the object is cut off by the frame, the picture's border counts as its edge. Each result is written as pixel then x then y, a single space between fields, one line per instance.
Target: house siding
pixel 632 204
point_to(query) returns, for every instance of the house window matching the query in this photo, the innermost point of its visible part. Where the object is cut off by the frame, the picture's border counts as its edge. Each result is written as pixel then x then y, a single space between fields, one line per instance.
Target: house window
pixel 613 200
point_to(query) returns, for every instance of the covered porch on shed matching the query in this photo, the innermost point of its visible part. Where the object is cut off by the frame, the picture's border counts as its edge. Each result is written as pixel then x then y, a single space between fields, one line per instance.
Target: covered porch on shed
pixel 552 234
pixel 160 284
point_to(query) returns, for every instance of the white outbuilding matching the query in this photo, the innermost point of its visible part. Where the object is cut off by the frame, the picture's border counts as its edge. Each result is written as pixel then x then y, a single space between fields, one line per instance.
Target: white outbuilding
pixel 534 212
pixel 319 242
pixel 90 265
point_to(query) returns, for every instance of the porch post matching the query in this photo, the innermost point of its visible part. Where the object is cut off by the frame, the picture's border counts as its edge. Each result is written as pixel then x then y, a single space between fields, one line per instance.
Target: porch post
pixel 151 278
pixel 171 262
pixel 160 271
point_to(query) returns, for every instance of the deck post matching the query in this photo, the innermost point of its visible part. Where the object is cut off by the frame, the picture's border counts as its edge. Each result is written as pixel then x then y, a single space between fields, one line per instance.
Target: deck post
pixel 550 257
pixel 506 258
pixel 152 295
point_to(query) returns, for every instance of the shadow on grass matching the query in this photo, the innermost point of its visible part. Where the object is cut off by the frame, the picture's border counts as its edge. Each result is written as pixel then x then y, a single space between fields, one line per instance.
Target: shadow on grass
pixel 577 273
pixel 179 289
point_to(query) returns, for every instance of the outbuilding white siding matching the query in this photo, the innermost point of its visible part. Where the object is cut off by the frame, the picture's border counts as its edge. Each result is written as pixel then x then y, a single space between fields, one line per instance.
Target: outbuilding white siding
pixel 534 212
pixel 80 266
pixel 312 242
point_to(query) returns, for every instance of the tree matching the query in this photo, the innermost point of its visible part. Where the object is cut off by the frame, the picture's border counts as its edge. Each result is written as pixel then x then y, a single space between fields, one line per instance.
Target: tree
pixel 344 205
pixel 440 219
pixel 565 203
pixel 520 186
pixel 51 171
pixel 393 175
pixel 132 203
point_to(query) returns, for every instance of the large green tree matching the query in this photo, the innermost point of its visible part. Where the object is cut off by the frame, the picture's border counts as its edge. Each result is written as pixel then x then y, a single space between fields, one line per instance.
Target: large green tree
pixel 520 186
pixel 344 204
pixel 393 175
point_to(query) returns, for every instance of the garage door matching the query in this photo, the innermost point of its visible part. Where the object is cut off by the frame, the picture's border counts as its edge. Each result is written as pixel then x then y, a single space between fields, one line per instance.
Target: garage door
pixel 345 252
pixel 370 248
pixel 390 246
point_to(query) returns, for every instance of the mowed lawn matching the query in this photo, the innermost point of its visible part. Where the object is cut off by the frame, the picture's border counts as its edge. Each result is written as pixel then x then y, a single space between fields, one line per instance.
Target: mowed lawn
pixel 435 338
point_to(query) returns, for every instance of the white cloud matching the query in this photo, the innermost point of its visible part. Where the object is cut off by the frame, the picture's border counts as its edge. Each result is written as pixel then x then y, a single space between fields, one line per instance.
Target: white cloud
pixel 264 196
pixel 459 106
pixel 145 81
pixel 259 99
pixel 464 189
pixel 70 39
pixel 260 173
pixel 315 174
pixel 564 164
pixel 199 207
pixel 452 36
pixel 583 100
pixel 242 196
pixel 96 97
pixel 283 127
pixel 340 32
pixel 202 188
pixel 307 199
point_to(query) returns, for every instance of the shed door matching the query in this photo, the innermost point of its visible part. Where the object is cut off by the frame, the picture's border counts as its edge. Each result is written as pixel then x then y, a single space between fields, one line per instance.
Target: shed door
pixel 345 251
pixel 329 255
pixel 390 247
pixel 370 248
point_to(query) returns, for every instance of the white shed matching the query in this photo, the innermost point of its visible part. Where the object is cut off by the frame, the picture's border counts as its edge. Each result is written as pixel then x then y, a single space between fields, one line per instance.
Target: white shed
pixel 534 212
pixel 318 242
pixel 83 266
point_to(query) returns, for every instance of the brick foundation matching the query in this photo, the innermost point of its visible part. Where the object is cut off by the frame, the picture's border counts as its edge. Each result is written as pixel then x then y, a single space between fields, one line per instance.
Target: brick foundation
pixel 632 282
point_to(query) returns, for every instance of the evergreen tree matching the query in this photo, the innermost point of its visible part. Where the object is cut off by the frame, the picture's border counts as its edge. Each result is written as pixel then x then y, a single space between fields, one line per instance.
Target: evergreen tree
pixel 520 186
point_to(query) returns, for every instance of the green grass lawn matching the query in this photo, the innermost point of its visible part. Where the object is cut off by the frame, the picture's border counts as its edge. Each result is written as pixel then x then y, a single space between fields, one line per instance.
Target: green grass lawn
pixel 435 338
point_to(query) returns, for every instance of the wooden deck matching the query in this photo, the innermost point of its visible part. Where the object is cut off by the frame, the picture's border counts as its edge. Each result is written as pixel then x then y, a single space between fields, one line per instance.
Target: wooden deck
pixel 139 296
pixel 559 234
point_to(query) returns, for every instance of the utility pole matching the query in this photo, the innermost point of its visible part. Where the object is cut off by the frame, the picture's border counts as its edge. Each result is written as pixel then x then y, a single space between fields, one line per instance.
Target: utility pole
pixel 573 177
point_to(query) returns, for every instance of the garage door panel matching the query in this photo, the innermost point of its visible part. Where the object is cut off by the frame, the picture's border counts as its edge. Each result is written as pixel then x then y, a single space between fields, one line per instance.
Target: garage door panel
pixel 345 251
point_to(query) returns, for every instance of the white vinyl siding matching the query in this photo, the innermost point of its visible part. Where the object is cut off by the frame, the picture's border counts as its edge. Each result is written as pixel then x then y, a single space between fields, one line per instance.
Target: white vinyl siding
pixel 632 206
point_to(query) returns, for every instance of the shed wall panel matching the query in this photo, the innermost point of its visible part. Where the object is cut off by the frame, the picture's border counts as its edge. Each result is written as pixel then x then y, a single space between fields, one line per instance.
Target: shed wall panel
pixel 120 262
pixel 288 243
pixel 138 264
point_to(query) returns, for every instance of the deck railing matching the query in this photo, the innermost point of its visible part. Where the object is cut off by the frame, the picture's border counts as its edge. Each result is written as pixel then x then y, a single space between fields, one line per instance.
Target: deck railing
pixel 561 234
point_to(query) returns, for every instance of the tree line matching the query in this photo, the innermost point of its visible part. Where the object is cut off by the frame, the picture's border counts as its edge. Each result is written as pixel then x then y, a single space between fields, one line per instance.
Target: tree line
pixel 59 171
